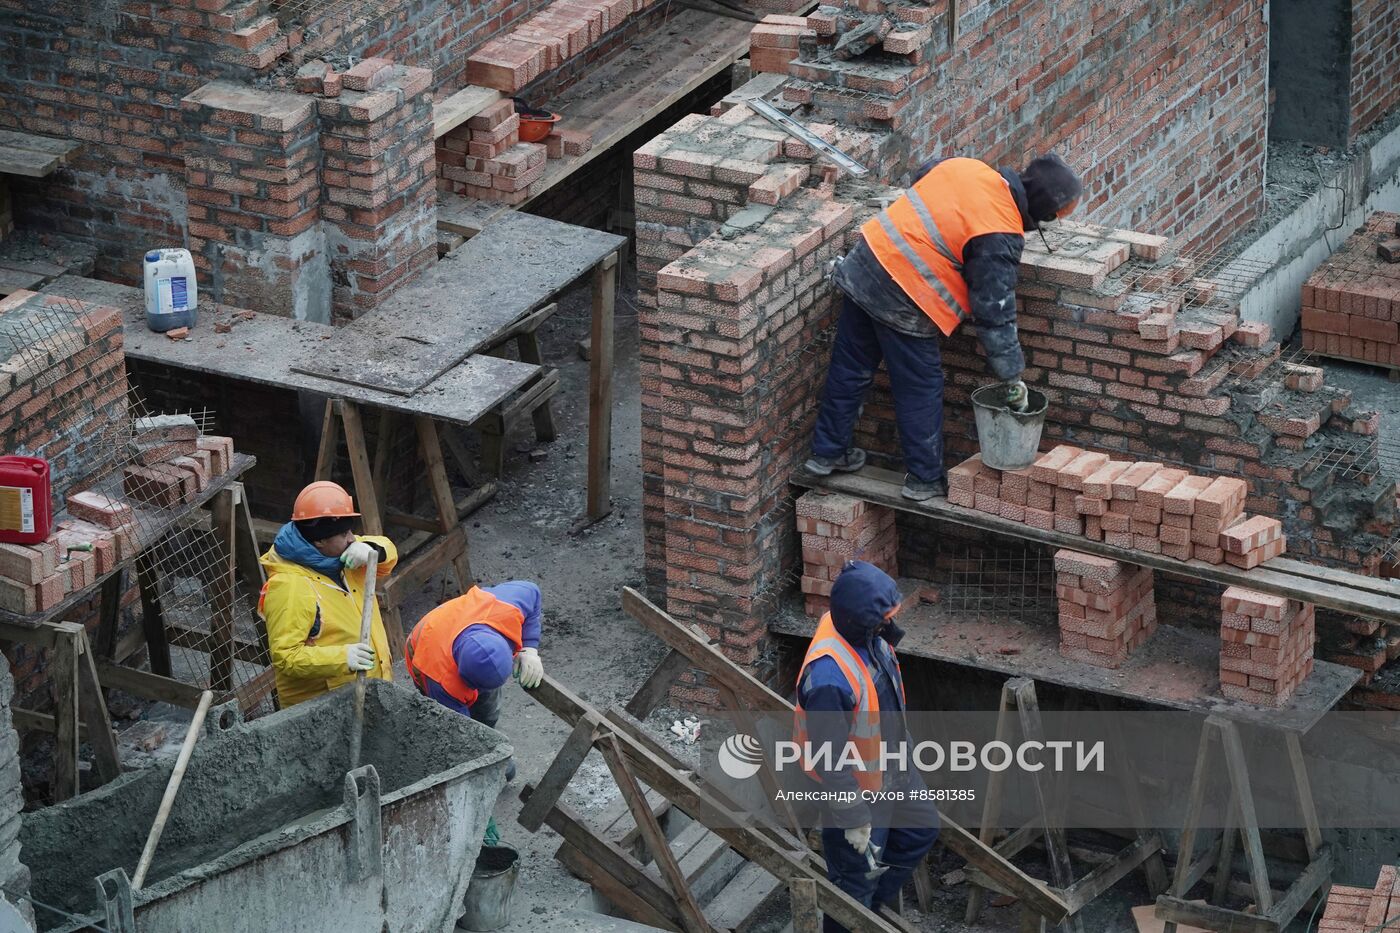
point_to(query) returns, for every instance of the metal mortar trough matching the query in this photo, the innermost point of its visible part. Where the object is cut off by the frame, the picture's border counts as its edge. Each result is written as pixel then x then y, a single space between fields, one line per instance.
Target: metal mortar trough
pixel 270 832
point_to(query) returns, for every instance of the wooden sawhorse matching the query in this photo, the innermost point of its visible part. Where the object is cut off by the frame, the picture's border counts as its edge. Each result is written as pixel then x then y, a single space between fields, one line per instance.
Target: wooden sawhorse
pixel 1272 912
pixel 1019 703
pixel 438 542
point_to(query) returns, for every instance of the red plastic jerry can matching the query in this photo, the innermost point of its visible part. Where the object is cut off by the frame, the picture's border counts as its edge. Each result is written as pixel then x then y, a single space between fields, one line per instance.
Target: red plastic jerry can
pixel 26 513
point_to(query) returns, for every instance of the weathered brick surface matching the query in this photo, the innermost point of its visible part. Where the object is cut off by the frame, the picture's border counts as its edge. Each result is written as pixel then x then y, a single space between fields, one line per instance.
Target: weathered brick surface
pixel 1375 59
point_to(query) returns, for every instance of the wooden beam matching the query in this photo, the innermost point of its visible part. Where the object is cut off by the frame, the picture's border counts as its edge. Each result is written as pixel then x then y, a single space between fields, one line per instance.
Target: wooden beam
pixel 1317 874
pixel 152 615
pixel 1205 916
pixel 1084 891
pixel 456 109
pixel 148 686
pixel 612 860
pixel 1345 591
pixel 249 652
pixel 806 918
pixel 221 589
pixel 42 722
pixel 63 673
pixel 372 519
pixel 561 770
pixel 600 394
pixel 103 743
pixel 658 685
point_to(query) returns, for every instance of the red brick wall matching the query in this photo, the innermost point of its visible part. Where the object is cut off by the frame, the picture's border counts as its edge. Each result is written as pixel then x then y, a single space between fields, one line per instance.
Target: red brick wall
pixel 1375 62
pixel 1162 105
pixel 65 396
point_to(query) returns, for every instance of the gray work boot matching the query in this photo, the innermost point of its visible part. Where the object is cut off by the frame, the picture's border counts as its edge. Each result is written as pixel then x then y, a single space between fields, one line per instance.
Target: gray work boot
pixel 853 459
pixel 918 490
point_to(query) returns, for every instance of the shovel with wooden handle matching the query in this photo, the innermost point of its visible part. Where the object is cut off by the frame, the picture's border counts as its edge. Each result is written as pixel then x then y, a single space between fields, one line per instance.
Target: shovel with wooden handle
pixel 366 617
pixel 172 788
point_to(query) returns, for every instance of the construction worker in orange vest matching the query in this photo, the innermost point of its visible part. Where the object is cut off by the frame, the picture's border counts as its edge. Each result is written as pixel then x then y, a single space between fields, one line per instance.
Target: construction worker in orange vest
pixel 462 652
pixel 944 252
pixel 850 692
pixel 315 588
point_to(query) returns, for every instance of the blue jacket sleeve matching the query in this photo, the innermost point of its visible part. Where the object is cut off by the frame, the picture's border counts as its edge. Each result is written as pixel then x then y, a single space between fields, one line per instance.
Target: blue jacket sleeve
pixel 827 699
pixel 525 596
pixel 989 266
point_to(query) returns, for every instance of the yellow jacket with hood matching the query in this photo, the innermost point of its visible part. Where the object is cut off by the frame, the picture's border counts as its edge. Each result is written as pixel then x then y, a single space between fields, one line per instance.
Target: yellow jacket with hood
pixel 309 659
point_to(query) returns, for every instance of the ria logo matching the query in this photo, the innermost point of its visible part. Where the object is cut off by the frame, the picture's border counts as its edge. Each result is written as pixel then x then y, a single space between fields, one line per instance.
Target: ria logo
pixel 740 756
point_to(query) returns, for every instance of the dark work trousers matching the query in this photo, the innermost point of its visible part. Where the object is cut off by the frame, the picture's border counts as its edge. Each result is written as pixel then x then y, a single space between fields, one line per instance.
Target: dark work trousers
pixel 903 830
pixel 487 708
pixel 915 365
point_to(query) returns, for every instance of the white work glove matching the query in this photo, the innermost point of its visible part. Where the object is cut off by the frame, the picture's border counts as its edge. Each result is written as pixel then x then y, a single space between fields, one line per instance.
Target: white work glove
pixel 356 555
pixel 859 837
pixel 359 657
pixel 529 669
pixel 1018 397
pixel 829 270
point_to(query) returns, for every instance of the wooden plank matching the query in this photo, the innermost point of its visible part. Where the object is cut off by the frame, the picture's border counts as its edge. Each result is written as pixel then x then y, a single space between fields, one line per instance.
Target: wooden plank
pixel 12 281
pixel 1207 917
pixel 95 716
pixel 692 918
pixel 329 448
pixel 991 800
pixel 1346 591
pixel 561 770
pixel 1312 832
pixel 221 649
pixel 600 375
pixel 658 685
pixel 1314 877
pixel 41 722
pixel 152 616
pixel 412 574
pixel 1186 848
pixel 641 82
pixel 622 898
pixel 436 469
pixel 63 673
pixel 50 145
pixel 149 686
pixel 1087 889
pixel 458 305
pixel 27 162
pixel 611 859
pixel 806 918
pixel 372 520
pixel 456 109
pixel 1056 843
pixel 1238 770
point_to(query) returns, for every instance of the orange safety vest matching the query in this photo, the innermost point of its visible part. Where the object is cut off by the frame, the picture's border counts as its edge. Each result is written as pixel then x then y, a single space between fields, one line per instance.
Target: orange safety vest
pixel 428 651
pixel 919 239
pixel 865 720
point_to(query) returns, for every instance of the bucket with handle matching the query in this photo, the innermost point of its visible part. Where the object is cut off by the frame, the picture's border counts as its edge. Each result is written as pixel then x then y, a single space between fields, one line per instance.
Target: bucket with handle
pixel 488 896
pixel 1010 440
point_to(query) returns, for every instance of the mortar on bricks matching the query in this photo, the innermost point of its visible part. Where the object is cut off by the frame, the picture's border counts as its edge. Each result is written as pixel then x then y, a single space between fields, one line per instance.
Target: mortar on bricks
pixel 269 832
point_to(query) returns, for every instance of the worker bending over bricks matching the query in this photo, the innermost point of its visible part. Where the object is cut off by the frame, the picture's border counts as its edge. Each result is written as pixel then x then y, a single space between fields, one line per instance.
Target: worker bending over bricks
pixel 462 652
pixel 945 251
pixel 850 692
pixel 314 593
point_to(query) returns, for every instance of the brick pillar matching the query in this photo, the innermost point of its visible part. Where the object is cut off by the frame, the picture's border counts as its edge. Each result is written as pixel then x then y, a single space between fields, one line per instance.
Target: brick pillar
pixel 380 205
pixel 838 528
pixel 1266 646
pixel 251 164
pixel 14 875
pixel 1107 609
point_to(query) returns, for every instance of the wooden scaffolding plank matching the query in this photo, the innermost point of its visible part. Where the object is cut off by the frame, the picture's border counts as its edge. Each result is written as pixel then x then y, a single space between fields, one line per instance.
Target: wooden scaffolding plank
pixel 456 109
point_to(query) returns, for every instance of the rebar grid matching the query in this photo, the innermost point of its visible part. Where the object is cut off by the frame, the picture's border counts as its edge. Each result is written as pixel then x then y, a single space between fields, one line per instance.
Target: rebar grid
pixel 192 570
pixel 1344 459
pixel 310 12
pixel 1015 584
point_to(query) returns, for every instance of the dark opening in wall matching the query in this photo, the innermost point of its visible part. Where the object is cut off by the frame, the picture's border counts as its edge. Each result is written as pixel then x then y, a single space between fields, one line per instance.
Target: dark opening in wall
pixel 1310 70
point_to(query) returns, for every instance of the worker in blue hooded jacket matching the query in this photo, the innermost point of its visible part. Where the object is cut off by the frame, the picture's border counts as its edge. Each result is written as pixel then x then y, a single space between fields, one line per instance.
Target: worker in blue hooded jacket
pixel 850 692
pixel 463 652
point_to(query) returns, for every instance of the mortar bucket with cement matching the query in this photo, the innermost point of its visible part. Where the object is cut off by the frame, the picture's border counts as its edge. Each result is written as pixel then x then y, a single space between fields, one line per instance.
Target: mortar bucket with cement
pixel 1009 439
pixel 488 896
pixel 270 832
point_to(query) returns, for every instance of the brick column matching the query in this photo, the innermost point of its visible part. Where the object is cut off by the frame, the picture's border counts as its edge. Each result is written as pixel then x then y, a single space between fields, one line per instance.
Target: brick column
pixel 380 205
pixel 251 165
pixel 838 528
pixel 1266 646
pixel 1107 610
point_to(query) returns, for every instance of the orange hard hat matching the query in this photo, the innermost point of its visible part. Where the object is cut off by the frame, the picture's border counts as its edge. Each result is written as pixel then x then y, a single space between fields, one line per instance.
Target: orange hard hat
pixel 323 499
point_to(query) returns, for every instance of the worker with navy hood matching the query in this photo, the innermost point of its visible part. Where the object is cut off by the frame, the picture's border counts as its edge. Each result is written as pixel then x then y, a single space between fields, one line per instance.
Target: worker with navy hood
pixel 850 692
pixel 945 252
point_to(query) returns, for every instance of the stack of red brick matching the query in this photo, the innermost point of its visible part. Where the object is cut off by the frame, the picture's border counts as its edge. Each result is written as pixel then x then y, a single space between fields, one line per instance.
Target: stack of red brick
pixel 172 462
pixel 485 159
pixel 1142 505
pixel 1351 304
pixel 1107 609
pixel 1266 646
pixel 544 42
pixel 776 41
pixel 1363 910
pixel 835 529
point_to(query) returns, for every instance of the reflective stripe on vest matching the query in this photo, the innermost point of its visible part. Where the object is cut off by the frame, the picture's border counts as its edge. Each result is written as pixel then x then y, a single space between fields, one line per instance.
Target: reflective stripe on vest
pixel 865 719
pixel 919 239
pixel 428 651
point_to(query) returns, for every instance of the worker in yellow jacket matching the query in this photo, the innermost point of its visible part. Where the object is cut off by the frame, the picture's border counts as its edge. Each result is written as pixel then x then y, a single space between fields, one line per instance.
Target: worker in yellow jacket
pixel 315 588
